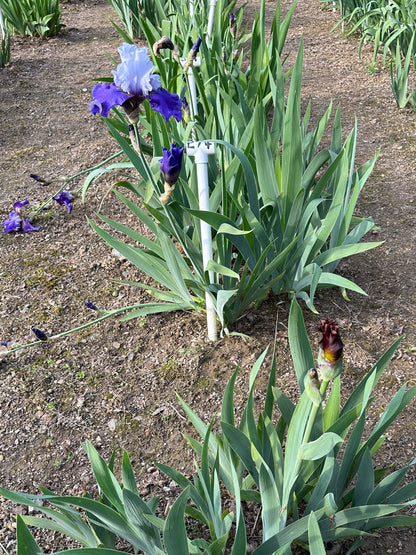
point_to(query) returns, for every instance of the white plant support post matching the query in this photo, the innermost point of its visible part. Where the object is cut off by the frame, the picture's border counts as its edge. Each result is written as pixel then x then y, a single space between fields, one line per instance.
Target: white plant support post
pixel 211 14
pixel 191 84
pixel 191 8
pixel 3 34
pixel 201 150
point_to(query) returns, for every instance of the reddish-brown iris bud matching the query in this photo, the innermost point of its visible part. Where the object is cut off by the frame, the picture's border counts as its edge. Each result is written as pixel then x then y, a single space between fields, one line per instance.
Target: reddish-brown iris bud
pixel 330 344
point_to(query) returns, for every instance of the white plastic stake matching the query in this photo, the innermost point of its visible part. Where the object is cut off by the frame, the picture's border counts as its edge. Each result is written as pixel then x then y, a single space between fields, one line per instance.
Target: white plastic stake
pixel 191 84
pixel 191 8
pixel 211 14
pixel 3 34
pixel 201 150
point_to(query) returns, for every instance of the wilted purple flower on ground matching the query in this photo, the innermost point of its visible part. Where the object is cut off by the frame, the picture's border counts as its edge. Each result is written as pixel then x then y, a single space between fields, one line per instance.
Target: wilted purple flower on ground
pixel 16 221
pixel 40 334
pixel 89 304
pixel 4 343
pixel 65 197
pixel 170 166
pixel 133 83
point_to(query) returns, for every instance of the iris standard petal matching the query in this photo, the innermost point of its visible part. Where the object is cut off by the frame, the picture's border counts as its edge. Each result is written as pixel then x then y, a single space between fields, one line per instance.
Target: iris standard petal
pixel 106 96
pixel 166 103
pixel 19 204
pixel 134 74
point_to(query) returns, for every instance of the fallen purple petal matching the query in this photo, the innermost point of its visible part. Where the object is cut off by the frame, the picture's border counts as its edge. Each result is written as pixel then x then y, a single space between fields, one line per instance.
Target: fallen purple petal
pixel 65 198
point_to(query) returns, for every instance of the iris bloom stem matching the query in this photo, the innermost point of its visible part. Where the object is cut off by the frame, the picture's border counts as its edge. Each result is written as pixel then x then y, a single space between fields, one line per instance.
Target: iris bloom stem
pixel 107 314
pixel 313 413
pixel 155 186
pixel 69 179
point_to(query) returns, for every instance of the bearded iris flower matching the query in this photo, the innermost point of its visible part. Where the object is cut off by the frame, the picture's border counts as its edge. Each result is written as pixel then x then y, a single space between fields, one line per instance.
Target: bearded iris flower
pixel 65 198
pixel 170 167
pixel 16 221
pixel 134 81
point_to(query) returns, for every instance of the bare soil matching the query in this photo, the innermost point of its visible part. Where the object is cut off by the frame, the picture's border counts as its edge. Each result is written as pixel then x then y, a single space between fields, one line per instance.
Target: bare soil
pixel 116 383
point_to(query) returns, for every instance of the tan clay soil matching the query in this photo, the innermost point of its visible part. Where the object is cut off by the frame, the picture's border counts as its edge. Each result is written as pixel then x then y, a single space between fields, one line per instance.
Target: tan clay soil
pixel 115 384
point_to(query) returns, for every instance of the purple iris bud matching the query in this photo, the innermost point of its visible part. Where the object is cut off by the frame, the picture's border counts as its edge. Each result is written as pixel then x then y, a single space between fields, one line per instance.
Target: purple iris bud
pixel 134 81
pixel 171 163
pixel 65 198
pixel 4 343
pixel 39 179
pixel 233 24
pixel 40 334
pixel 197 45
pixel 89 304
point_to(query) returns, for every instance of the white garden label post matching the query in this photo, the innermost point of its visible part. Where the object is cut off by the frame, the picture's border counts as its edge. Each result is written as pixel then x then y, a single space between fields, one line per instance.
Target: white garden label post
pixel 201 150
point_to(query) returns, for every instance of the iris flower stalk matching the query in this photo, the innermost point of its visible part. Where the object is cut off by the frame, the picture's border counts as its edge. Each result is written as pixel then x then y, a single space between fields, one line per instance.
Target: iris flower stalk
pixel 106 314
pixel 331 351
pixel 67 180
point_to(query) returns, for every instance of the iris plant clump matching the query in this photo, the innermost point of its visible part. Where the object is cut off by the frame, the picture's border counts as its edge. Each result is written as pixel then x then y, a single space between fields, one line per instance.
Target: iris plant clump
pixel 134 81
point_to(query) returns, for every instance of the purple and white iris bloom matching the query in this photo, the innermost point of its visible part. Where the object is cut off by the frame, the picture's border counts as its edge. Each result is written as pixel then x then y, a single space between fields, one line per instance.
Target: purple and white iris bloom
pixel 16 221
pixel 134 81
pixel 65 198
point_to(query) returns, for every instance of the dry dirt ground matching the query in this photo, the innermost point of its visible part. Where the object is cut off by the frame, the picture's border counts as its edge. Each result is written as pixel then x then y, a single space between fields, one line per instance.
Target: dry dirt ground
pixel 116 383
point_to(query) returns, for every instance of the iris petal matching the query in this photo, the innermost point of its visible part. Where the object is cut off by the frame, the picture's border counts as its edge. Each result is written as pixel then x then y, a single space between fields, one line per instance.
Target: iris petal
pixel 171 163
pixel 106 96
pixel 166 103
pixel 27 226
pixel 134 74
pixel 19 204
pixel 65 198
pixel 12 223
